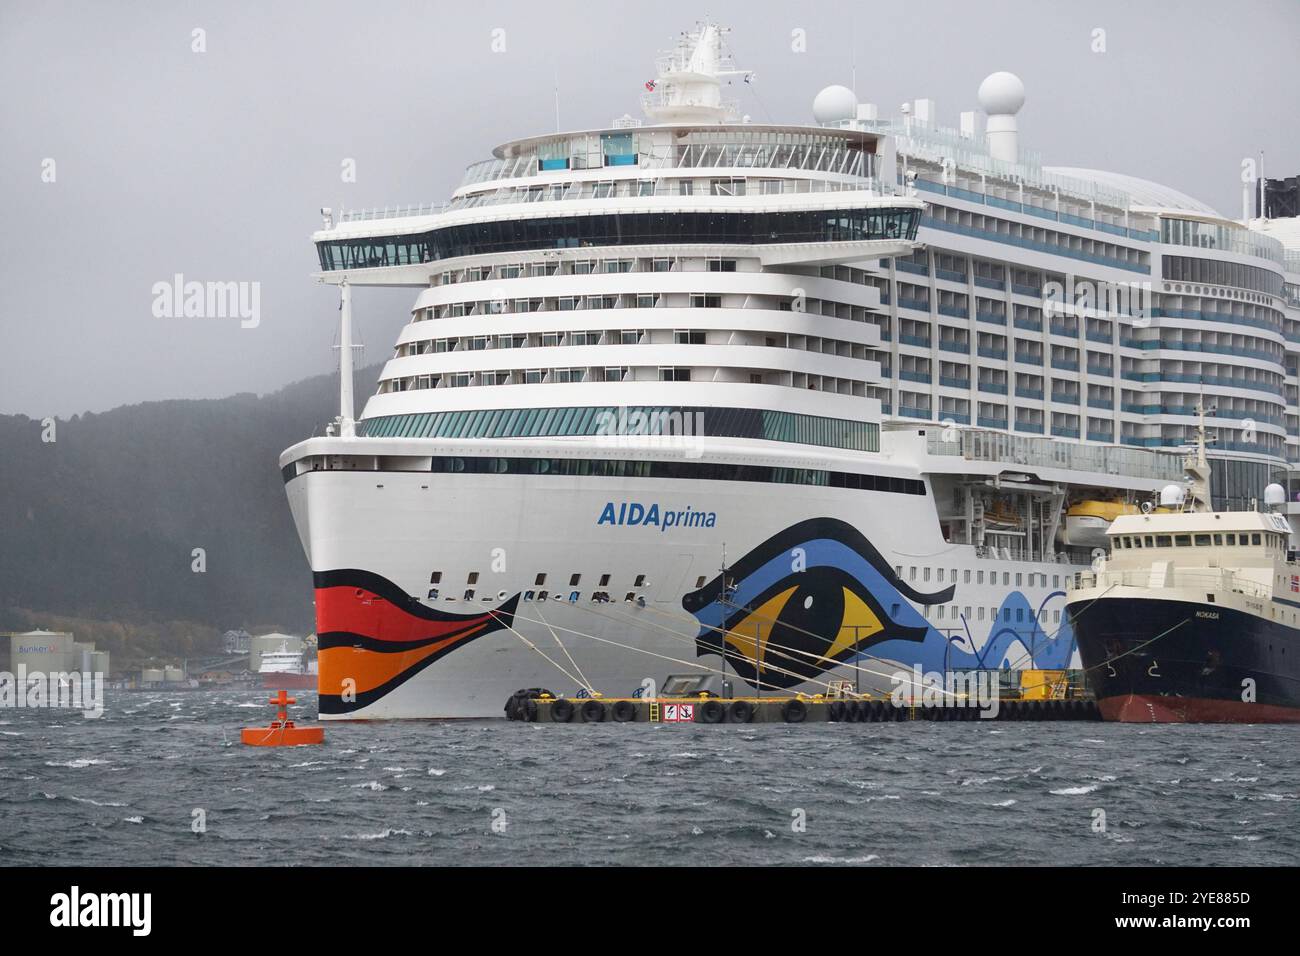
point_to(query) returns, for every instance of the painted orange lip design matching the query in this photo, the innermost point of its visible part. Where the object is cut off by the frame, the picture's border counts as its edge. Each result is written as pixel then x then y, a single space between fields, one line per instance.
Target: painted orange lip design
pixel 373 636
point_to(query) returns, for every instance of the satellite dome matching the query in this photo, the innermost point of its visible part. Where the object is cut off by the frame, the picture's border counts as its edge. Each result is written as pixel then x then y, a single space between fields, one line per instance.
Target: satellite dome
pixel 1171 496
pixel 1274 495
pixel 1002 94
pixel 835 103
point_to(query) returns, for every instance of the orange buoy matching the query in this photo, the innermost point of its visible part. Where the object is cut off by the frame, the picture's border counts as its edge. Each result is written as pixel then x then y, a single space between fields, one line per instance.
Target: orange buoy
pixel 282 732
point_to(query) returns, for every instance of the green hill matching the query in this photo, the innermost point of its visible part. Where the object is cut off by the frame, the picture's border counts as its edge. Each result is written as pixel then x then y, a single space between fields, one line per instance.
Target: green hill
pixel 102 523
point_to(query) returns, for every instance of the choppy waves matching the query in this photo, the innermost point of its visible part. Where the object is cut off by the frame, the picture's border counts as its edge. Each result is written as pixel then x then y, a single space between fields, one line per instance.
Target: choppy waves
pixel 163 779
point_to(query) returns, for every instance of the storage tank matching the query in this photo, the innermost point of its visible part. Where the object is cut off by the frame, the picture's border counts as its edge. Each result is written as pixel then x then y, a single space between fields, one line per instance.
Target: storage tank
pixel 43 651
pixel 99 663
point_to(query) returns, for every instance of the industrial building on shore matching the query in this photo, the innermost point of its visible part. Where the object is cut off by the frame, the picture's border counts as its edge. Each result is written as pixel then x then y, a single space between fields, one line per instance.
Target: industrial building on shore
pixel 50 652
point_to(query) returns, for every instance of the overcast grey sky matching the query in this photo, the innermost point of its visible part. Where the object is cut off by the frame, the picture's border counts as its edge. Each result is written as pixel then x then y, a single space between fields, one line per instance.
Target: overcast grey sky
pixel 214 164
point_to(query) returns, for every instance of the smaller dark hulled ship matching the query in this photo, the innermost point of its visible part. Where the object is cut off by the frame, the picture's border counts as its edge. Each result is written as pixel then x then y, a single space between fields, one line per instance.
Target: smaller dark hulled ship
pixel 1194 616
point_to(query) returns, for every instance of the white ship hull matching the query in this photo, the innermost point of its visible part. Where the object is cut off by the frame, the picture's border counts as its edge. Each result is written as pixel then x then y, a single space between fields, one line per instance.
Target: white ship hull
pixel 800 557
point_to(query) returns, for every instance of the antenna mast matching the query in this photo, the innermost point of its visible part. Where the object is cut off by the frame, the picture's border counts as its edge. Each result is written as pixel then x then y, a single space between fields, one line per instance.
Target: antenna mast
pixel 347 423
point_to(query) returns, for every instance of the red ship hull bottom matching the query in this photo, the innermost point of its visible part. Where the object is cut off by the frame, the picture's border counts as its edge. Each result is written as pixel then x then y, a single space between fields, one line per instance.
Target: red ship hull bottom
pixel 1156 709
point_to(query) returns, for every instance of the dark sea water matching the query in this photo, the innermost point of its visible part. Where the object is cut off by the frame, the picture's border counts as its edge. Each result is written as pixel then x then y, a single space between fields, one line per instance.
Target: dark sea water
pixel 121 790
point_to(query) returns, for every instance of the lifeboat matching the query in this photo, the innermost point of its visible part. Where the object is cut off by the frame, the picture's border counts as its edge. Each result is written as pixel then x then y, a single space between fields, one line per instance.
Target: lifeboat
pixel 1086 521
pixel 999 517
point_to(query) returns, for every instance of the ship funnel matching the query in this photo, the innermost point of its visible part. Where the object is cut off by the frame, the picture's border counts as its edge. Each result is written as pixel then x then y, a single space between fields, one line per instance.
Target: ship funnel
pixel 1001 95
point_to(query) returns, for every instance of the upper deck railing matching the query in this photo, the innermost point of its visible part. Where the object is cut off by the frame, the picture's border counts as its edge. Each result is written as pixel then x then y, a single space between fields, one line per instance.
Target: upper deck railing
pixel 1201 579
pixel 1218 236
pixel 811 151
pixel 937 144
pixel 621 189
pixel 976 444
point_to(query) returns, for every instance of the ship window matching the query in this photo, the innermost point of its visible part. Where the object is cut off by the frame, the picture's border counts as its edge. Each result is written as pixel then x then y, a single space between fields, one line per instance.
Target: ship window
pixel 573 596
pixel 639 582
pixel 966 576
pixel 629 596
pixel 939 612
pixel 898 571
pixel 604 580
pixel 1218 540
pixel 574 579
pixel 472 578
pixel 435 577
pixel 1056 580
pixel 980 613
pixel 940 578
pixel 1056 617
pixel 979 577
pixel 1006 578
pixel 1202 540
pixel 469 594
pixel 925 574
pixel 539 580
pixel 1183 540
pixel 541 595
pixel 1006 614
pixel 1020 614
pixel 1147 539
pixel 1254 539
pixel 1164 541
pixel 1019 578
pixel 433 594
pixel 911 574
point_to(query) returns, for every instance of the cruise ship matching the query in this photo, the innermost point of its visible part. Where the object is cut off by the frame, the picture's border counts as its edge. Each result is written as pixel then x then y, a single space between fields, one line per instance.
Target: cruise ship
pixel 803 405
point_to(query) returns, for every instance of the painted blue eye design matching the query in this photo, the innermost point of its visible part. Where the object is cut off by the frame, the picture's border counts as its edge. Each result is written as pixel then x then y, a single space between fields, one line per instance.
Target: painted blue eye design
pixel 809 598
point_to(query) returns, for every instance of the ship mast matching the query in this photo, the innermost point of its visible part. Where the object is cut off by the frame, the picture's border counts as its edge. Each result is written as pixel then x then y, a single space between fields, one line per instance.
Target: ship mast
pixel 347 421
pixel 688 87
pixel 1197 467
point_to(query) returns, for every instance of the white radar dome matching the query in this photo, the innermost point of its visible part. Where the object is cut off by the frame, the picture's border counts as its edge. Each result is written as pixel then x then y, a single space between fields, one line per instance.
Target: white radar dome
pixel 835 103
pixel 1274 496
pixel 1171 496
pixel 1001 94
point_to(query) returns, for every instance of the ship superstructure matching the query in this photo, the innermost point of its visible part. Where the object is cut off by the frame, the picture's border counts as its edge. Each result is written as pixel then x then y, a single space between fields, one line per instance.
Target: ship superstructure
pixel 790 403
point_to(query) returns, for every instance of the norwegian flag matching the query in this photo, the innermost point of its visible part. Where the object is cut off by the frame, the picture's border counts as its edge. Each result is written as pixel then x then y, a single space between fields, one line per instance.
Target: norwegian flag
pixel 649 86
